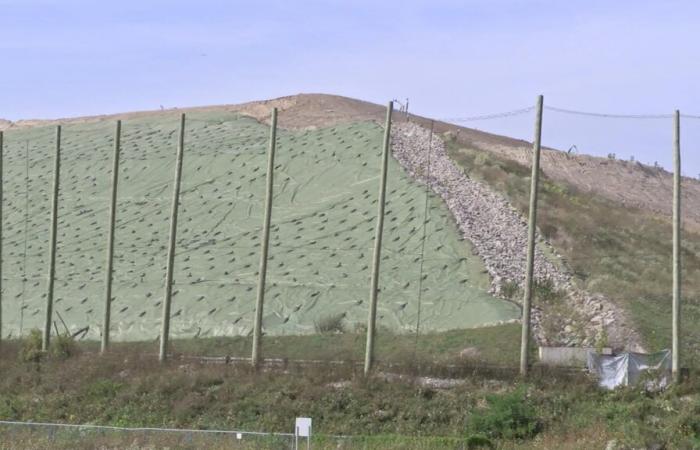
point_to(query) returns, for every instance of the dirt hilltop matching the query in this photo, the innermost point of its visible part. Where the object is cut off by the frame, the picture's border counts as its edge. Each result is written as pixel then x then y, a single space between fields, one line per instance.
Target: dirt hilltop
pixel 631 184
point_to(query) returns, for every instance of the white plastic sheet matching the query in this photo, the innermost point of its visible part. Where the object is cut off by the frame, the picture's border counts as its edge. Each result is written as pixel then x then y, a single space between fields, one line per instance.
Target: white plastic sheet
pixel 629 368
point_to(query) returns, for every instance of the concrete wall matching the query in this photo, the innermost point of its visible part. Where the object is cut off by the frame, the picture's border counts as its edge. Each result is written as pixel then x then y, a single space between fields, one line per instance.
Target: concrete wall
pixel 567 356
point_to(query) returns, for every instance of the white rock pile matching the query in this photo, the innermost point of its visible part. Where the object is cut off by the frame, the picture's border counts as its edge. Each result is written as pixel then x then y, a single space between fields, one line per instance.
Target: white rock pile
pixel 499 235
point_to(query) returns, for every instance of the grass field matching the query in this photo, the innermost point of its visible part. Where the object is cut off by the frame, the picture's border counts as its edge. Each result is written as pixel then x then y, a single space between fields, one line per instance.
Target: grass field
pixel 129 389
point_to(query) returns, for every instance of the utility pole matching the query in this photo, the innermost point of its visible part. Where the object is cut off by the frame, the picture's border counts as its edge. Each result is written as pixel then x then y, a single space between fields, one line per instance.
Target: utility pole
pixel 675 358
pixel 259 303
pixel 532 227
pixel 1 193
pixel 374 282
pixel 46 338
pixel 165 326
pixel 110 239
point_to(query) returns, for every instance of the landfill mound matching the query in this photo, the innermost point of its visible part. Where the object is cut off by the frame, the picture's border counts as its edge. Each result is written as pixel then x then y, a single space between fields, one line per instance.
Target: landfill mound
pixel 323 220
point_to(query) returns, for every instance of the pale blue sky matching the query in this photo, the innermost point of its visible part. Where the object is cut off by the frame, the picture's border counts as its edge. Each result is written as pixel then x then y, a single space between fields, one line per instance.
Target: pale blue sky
pixel 451 58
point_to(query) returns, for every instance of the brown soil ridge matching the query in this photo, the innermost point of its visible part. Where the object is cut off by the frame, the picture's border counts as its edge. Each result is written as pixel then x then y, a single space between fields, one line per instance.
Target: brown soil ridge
pixel 630 184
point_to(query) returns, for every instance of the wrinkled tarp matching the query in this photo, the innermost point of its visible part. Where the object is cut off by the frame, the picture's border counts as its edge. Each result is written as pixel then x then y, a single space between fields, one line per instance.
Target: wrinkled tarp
pixel 629 368
pixel 321 239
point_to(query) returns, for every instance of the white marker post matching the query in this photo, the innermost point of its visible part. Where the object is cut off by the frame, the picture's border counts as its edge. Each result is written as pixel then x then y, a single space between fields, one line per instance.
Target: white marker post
pixel 302 429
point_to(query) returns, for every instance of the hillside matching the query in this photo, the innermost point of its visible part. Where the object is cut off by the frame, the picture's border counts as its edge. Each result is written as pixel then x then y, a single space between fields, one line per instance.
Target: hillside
pixel 607 221
pixel 628 183
pixel 323 225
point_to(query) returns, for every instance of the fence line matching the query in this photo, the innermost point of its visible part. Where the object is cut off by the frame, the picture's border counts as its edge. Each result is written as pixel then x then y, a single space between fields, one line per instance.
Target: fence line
pixel 142 429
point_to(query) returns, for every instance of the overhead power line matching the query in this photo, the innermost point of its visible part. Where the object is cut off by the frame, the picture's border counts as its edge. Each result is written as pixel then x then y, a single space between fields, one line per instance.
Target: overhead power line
pixel 606 115
pixel 517 112
pixel 514 112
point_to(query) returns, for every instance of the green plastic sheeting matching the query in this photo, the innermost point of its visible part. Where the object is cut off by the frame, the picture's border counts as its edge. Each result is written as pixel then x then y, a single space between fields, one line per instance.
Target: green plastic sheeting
pixel 323 220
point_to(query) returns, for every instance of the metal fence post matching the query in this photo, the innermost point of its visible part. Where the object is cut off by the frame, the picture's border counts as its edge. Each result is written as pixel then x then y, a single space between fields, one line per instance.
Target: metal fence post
pixel 374 282
pixel 165 325
pixel 259 304
pixel 110 239
pixel 675 359
pixel 532 227
pixel 46 338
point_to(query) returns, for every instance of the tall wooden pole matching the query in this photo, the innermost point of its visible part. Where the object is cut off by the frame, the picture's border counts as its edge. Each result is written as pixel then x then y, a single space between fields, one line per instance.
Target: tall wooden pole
pixel 532 227
pixel 110 239
pixel 165 324
pixel 1 241
pixel 46 338
pixel 675 358
pixel 265 241
pixel 374 282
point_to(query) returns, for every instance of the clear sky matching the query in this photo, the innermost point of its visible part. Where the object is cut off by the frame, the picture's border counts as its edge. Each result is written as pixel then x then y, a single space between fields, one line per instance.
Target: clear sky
pixel 451 58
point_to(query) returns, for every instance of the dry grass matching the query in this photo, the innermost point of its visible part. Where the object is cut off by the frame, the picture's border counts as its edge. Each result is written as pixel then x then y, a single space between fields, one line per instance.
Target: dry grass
pixel 621 252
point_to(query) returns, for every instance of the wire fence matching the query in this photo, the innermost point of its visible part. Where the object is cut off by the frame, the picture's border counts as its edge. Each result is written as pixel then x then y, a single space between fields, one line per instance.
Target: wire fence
pixel 60 435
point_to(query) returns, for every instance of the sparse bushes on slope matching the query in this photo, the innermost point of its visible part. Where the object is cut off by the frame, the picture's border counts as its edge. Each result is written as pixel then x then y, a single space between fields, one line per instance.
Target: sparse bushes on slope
pixel 330 324
pixel 510 289
pixel 30 349
pixel 61 347
pixel 546 292
pixel 508 416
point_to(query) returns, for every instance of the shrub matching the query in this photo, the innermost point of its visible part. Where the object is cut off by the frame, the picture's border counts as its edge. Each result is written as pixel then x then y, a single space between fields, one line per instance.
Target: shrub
pixel 30 350
pixel 601 341
pixel 510 289
pixel 546 292
pixel 477 441
pixel 549 231
pixel 330 324
pixel 63 347
pixel 509 416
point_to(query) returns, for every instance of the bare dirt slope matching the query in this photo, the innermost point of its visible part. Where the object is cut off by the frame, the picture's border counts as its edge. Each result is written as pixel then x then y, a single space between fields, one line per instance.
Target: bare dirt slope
pixel 628 183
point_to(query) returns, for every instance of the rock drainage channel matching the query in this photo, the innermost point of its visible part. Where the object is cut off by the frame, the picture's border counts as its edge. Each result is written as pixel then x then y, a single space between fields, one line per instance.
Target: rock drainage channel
pixel 498 234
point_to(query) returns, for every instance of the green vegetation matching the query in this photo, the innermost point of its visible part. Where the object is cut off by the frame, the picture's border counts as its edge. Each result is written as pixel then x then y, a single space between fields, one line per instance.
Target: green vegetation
pixel 621 252
pixel 61 347
pixel 497 346
pixel 507 416
pixel 125 388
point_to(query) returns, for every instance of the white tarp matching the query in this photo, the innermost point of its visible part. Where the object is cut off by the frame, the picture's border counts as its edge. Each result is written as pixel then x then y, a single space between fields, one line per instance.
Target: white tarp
pixel 629 368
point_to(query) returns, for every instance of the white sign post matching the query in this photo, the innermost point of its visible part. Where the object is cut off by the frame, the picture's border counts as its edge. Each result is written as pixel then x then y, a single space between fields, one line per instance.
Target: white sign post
pixel 302 428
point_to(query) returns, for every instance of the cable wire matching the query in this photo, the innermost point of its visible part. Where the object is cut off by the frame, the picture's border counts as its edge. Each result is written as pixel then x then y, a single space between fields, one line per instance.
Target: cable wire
pixel 606 115
pixel 515 112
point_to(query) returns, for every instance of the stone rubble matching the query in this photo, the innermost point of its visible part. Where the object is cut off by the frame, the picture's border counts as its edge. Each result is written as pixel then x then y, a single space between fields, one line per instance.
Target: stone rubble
pixel 498 234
